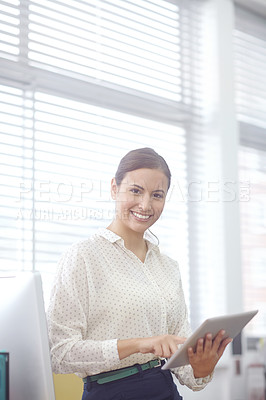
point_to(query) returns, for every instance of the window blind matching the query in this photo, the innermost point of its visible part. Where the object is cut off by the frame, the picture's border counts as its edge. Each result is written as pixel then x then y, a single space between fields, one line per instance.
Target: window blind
pixel 10 29
pixel 135 45
pixel 253 229
pixel 250 73
pixel 144 47
pixel 56 181
pixel 16 152
pixel 85 83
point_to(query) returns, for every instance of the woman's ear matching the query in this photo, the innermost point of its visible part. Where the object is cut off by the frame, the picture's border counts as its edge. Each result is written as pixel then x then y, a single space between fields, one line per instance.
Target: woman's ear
pixel 113 189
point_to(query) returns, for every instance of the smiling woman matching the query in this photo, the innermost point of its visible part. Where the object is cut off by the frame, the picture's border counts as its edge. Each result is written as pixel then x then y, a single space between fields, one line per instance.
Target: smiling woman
pixel 111 319
pixel 140 200
pixel 139 190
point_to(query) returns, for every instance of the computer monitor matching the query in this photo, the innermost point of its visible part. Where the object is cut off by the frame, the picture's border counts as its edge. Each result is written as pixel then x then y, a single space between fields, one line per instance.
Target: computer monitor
pixel 23 334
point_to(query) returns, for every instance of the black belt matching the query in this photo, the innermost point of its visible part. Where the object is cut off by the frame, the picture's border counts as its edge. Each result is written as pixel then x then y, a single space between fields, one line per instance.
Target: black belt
pixel 110 376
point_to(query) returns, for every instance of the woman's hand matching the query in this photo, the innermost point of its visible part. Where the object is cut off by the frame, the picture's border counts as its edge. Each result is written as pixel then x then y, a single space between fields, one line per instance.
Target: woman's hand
pixel 208 353
pixel 160 346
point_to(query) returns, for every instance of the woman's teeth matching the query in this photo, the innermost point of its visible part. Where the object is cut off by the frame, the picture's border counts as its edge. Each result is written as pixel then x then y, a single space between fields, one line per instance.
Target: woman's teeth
pixel 140 216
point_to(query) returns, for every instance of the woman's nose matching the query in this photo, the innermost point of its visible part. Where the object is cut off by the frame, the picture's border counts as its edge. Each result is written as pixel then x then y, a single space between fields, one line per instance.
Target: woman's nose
pixel 145 203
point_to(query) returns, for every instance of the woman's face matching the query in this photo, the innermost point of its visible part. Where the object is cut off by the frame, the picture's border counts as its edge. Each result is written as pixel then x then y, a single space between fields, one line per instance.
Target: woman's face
pixel 140 198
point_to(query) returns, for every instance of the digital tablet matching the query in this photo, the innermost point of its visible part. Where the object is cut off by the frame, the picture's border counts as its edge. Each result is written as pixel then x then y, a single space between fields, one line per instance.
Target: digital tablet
pixel 232 324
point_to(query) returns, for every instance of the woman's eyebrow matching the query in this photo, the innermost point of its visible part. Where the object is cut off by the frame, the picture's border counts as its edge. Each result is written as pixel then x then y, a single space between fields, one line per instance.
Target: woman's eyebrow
pixel 140 187
pixel 159 190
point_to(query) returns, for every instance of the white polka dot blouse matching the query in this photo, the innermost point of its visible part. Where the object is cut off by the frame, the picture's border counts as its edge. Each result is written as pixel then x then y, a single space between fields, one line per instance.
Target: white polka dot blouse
pixel 102 293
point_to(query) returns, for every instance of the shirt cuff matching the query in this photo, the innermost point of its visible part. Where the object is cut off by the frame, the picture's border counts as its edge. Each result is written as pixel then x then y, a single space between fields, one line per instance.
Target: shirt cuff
pixel 203 381
pixel 110 353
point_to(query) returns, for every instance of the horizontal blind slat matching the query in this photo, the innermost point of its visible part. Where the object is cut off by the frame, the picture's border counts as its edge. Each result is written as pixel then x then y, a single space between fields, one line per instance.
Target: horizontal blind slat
pixel 144 50
pixel 250 52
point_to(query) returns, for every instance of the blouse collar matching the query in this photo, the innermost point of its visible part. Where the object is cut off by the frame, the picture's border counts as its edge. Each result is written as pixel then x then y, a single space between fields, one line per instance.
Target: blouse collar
pixel 113 237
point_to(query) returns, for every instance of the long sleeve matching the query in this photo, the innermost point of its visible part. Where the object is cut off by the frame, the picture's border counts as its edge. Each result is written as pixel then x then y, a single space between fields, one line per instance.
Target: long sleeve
pixel 185 374
pixel 67 316
pixel 103 293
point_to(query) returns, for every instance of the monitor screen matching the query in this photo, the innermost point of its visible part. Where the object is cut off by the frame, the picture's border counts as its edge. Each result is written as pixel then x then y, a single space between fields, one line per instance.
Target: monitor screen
pixel 23 334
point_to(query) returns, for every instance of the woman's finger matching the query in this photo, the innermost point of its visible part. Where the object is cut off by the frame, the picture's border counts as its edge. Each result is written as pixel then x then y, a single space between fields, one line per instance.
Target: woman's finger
pixel 166 350
pixel 190 353
pixel 172 347
pixel 208 342
pixel 199 349
pixel 179 339
pixel 223 346
pixel 158 350
pixel 218 340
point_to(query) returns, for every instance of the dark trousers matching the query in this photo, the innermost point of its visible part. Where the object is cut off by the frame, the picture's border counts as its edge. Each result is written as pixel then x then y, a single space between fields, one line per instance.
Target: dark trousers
pixel 153 384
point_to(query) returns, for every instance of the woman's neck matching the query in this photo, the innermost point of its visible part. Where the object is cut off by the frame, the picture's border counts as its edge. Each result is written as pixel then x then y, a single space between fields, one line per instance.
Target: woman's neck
pixel 133 241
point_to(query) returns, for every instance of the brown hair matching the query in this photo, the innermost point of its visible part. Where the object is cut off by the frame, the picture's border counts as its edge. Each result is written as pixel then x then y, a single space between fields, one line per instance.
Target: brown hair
pixel 141 158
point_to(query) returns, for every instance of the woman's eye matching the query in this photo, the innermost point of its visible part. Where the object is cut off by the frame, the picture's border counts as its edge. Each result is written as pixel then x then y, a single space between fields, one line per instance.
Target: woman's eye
pixel 135 191
pixel 158 195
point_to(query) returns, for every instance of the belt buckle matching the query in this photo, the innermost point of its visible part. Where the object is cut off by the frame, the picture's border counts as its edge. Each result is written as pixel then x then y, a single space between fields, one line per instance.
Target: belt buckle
pixel 159 363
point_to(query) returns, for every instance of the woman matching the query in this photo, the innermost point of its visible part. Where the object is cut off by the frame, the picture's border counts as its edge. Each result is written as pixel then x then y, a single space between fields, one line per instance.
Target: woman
pixel 117 307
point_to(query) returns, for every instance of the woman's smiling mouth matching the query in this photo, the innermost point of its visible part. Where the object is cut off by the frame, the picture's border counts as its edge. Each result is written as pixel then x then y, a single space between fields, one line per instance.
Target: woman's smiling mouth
pixel 141 216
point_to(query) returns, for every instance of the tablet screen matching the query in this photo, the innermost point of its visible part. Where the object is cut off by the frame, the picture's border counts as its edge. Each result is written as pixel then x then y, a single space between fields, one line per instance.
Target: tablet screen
pixel 232 324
